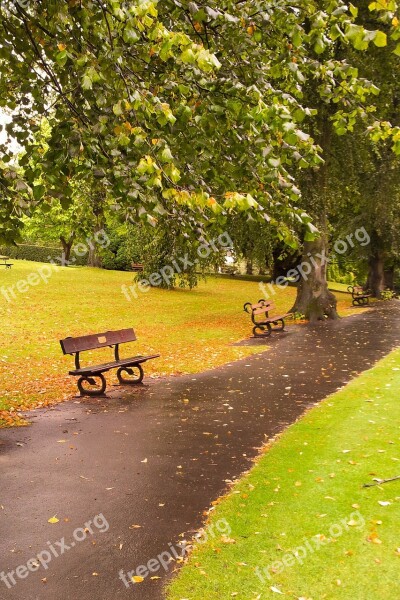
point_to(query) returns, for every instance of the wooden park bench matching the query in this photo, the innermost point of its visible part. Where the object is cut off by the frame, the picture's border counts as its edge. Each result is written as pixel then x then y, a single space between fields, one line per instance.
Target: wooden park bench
pixel 132 366
pixel 264 324
pixel 137 267
pixel 228 270
pixel 4 262
pixel 359 294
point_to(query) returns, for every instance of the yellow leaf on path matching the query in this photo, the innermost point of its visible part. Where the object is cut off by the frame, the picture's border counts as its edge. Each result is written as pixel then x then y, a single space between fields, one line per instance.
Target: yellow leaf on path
pixel 155 577
pixel 53 520
pixel 137 579
pixel 135 527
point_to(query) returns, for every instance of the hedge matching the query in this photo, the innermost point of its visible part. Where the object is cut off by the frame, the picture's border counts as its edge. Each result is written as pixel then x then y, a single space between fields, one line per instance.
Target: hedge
pixel 40 254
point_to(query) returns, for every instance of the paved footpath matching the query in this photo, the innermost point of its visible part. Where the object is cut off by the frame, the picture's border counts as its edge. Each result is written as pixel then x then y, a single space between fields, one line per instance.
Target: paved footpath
pixel 157 460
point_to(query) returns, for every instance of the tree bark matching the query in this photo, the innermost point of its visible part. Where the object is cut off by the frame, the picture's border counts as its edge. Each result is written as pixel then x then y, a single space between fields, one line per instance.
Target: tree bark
pixel 389 277
pixel 376 275
pixel 67 248
pixel 249 267
pixel 314 300
pixel 94 260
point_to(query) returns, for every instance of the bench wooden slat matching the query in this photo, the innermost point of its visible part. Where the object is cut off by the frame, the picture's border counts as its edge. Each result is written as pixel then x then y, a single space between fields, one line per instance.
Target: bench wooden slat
pixel 276 318
pixel 71 345
pixel 125 362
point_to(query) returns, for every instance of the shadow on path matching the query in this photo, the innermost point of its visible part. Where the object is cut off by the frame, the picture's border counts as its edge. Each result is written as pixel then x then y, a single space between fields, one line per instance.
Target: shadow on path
pixel 159 458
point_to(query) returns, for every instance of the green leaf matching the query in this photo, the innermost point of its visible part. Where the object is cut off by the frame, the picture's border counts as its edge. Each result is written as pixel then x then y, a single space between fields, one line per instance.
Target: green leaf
pixel 380 39
pixel 188 56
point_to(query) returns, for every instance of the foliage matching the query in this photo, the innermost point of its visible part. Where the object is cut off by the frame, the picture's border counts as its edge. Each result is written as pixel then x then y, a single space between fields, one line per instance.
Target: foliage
pixel 43 254
pixel 342 272
pixel 126 245
pixel 157 100
pixel 387 295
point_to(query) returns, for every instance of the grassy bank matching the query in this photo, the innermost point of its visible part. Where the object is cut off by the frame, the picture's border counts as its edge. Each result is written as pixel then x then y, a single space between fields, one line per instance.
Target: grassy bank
pixel 301 524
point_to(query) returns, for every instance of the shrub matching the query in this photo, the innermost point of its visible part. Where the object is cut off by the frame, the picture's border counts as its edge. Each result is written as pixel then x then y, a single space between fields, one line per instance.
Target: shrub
pixel 40 254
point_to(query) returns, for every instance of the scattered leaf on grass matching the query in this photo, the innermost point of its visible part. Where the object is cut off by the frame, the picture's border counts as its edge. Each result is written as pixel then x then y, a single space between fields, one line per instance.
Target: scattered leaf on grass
pixel 276 590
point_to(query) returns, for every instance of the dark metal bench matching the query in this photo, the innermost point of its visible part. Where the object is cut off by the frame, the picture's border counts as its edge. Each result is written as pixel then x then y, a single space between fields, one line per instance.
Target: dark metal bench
pixel 264 324
pixel 132 366
pixel 359 294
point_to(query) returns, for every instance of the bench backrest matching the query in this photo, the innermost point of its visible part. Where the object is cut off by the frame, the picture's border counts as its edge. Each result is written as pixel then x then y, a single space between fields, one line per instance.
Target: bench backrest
pixel 262 308
pixel 71 345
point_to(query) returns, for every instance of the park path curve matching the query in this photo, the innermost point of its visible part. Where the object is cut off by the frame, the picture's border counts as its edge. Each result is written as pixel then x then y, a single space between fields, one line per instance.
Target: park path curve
pixel 158 457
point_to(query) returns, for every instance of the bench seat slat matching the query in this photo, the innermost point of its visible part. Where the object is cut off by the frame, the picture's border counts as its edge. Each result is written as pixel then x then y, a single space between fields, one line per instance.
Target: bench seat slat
pixel 124 362
pixel 277 318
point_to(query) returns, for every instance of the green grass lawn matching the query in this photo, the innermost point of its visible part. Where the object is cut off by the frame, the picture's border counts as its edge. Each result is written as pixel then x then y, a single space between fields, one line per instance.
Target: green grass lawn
pixel 302 519
pixel 192 330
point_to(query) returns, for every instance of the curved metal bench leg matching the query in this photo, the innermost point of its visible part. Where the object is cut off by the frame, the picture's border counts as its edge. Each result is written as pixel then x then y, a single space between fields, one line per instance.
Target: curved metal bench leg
pixel 91 380
pixel 135 377
pixel 279 327
pixel 262 330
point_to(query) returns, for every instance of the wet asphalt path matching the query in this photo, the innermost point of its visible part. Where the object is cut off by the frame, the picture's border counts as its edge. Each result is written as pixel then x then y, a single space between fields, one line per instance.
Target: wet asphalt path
pixel 159 458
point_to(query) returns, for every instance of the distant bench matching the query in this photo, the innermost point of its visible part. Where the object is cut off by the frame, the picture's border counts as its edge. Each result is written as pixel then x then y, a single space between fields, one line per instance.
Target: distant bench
pixel 359 294
pixel 4 262
pixel 137 267
pixel 264 323
pixel 132 366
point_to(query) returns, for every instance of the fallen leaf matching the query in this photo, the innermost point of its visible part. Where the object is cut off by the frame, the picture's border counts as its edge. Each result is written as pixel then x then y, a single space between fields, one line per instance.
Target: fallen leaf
pixel 227 540
pixel 53 520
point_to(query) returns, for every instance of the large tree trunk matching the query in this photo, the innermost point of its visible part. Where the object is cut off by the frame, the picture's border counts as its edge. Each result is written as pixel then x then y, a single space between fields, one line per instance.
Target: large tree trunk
pixel 94 260
pixel 314 300
pixel 376 275
pixel 249 267
pixel 389 277
pixel 67 249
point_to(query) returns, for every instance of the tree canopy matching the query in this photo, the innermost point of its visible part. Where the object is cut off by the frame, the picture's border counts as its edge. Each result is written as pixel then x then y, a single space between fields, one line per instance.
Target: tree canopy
pixel 179 104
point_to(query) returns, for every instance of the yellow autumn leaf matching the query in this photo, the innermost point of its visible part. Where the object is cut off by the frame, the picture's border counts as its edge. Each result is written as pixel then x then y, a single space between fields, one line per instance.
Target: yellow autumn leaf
pixel 53 520
pixel 137 579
